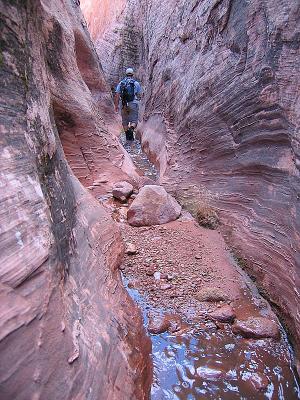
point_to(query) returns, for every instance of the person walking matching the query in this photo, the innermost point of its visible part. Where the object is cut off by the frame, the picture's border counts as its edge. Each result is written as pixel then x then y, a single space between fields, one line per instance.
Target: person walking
pixel 127 98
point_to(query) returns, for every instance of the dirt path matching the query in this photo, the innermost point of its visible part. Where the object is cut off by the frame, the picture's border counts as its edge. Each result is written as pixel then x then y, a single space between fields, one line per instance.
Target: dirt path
pixel 193 296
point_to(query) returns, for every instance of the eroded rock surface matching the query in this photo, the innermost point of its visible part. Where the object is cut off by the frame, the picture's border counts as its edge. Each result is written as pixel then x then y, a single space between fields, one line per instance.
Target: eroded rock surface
pixel 221 120
pixel 63 332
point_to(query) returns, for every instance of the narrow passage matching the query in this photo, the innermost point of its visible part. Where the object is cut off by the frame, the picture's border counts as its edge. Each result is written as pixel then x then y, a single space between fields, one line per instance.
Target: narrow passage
pixel 194 300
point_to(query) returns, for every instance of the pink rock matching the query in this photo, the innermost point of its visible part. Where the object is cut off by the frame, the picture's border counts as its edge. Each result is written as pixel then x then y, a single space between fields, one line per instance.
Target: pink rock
pixel 223 314
pixel 131 249
pixel 256 327
pixel 153 206
pixel 209 374
pixel 122 190
pixel 157 324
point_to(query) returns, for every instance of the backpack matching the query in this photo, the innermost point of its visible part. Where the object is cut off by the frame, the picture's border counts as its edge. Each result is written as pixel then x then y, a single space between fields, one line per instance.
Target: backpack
pixel 127 91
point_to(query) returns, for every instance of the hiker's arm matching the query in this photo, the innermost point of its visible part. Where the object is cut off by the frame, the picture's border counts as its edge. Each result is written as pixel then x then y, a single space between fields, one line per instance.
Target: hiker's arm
pixel 117 99
pixel 138 91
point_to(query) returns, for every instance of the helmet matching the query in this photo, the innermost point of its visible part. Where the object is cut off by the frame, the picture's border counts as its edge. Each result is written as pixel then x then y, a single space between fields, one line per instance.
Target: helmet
pixel 129 71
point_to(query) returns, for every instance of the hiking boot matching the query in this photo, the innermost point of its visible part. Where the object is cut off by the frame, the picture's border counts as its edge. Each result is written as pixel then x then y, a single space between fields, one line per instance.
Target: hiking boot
pixel 129 134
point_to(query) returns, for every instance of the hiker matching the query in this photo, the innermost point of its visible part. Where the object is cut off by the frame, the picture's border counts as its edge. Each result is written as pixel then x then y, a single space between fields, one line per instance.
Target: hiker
pixel 127 97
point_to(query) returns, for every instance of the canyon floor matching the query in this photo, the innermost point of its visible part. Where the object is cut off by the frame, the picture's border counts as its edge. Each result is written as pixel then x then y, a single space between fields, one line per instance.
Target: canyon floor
pixel 195 299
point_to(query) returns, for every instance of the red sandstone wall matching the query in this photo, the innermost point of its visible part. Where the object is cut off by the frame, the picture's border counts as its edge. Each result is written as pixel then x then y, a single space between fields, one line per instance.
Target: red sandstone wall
pixel 221 118
pixel 67 328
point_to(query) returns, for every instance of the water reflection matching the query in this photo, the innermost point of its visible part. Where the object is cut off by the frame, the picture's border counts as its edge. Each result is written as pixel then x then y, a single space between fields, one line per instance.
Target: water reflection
pixel 220 365
pixel 214 364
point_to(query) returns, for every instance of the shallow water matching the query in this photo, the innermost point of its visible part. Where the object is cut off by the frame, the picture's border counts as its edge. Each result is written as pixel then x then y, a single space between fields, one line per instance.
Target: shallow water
pixel 209 363
pixel 204 362
pixel 139 158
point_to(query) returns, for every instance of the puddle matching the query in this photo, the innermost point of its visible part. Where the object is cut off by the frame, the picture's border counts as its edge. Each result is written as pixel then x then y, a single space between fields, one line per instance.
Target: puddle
pixel 215 364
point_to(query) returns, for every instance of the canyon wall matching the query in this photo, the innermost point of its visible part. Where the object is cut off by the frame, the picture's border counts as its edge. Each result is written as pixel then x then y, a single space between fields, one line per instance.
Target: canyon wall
pixel 220 117
pixel 68 329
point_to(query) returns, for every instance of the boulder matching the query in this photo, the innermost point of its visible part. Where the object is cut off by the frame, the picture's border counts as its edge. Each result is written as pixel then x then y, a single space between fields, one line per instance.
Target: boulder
pixel 153 206
pixel 256 328
pixel 122 190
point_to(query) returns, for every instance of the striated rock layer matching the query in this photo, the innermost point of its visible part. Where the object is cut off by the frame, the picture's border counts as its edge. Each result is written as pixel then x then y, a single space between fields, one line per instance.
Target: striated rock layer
pixel 221 119
pixel 67 328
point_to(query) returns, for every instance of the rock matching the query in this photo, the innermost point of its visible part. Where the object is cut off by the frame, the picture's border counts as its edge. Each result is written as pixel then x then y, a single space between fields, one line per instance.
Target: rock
pixel 175 323
pixel 122 190
pixel 157 275
pixel 211 294
pixel 165 286
pixel 223 314
pixel 157 324
pixel 150 271
pixel 153 206
pixel 256 328
pixel 131 249
pixel 259 381
pixel 163 276
pixel 209 374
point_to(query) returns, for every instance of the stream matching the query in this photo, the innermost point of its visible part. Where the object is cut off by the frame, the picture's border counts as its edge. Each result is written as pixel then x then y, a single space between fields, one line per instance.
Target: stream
pixel 204 362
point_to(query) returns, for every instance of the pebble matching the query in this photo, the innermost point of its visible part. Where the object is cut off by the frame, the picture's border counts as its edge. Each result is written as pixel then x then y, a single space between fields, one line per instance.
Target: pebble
pixel 157 275
pixel 150 271
pixel 131 249
pixel 166 286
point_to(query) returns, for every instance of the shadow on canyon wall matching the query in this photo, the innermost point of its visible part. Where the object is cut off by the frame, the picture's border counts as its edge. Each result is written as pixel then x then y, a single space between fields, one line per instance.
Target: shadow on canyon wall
pixel 65 316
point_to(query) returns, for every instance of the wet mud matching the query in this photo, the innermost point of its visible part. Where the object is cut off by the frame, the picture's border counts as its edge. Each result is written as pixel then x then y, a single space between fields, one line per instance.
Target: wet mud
pixel 196 356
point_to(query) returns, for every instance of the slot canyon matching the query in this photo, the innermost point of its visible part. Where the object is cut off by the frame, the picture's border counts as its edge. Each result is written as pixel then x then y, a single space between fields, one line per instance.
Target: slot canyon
pixel 187 287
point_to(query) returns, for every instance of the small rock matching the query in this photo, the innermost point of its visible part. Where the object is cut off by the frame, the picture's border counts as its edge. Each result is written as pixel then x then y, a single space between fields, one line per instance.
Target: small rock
pixel 259 381
pixel 122 267
pixel 166 286
pixel 157 324
pixel 210 326
pixel 122 190
pixel 157 275
pixel 150 271
pixel 223 314
pixel 131 249
pixel 130 285
pixel 175 323
pixel 198 256
pixel 209 374
pixel 256 328
pixel 211 294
